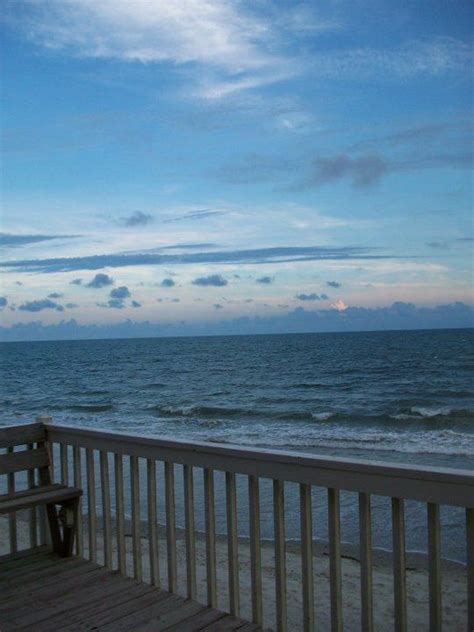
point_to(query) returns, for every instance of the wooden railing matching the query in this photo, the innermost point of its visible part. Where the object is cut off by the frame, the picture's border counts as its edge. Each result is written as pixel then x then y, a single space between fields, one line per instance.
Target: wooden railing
pixel 110 451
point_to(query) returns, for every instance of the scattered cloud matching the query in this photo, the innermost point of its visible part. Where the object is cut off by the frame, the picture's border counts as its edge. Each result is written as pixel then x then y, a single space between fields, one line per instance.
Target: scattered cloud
pixel 215 280
pixel 3 302
pixel 218 306
pixel 334 284
pixel 55 295
pixel 195 215
pixel 396 316
pixel 167 283
pixel 137 218
pixel 113 303
pixel 120 292
pixel 363 171
pixel 136 304
pixel 71 305
pixel 312 297
pixel 76 282
pixel 438 245
pixel 100 280
pixel 11 240
pixel 40 305
pixel 251 256
pixel 265 280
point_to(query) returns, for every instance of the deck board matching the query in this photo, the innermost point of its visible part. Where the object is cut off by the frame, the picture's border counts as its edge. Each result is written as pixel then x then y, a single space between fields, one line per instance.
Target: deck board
pixel 43 592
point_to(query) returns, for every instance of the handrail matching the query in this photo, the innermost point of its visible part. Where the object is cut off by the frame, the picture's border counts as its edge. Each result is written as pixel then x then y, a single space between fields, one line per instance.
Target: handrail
pixel 425 483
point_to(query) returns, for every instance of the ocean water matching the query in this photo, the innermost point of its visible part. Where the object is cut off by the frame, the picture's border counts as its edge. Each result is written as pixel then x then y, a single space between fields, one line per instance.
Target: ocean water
pixel 397 396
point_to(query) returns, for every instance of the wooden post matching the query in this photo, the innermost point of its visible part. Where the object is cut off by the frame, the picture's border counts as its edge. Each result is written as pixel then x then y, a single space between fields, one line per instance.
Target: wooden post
pixel 45 536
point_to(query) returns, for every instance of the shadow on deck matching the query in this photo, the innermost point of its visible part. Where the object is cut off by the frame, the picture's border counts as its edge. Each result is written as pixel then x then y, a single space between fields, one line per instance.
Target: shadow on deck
pixel 43 592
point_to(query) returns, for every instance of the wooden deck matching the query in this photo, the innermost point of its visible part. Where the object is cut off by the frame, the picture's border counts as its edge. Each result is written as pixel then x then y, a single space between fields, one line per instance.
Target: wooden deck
pixel 42 592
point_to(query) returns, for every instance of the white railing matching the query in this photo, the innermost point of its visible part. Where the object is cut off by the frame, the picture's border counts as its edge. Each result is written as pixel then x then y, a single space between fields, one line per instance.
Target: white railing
pixel 107 451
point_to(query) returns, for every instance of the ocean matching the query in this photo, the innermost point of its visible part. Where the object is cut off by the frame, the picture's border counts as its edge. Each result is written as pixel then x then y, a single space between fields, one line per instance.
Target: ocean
pixel 395 396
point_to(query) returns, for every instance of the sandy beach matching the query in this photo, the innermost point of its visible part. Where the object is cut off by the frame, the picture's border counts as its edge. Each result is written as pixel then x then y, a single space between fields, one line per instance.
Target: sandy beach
pixel 454 592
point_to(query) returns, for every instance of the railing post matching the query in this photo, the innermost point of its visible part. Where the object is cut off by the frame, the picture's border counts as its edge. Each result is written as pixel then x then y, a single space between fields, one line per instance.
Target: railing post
pixel 45 536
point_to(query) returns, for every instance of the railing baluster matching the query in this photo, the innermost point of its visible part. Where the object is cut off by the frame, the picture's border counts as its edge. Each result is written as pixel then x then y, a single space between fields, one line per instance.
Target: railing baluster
pixel 365 542
pixel 232 544
pixel 334 525
pixel 255 549
pixel 210 537
pixel 33 521
pixel 136 530
pixel 280 554
pixel 120 514
pixel 306 517
pixel 63 458
pixel 399 564
pixel 76 453
pixel 170 527
pixel 90 467
pixel 188 483
pixel 152 525
pixel 434 558
pixel 12 516
pixel 105 489
pixel 470 566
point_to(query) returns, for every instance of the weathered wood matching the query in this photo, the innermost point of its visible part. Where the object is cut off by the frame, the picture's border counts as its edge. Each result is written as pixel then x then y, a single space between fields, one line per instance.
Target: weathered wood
pixel 210 517
pixel 105 493
pixel 63 459
pixel 280 554
pixel 232 544
pixel 306 517
pixel 12 530
pixel 365 543
pixel 171 528
pixel 434 560
pixel 136 535
pixel 255 550
pixel 33 519
pixel 24 500
pixel 77 466
pixel 335 582
pixel 91 502
pixel 399 564
pixel 25 460
pixel 120 514
pixel 188 486
pixel 11 436
pixel 152 524
pixel 428 484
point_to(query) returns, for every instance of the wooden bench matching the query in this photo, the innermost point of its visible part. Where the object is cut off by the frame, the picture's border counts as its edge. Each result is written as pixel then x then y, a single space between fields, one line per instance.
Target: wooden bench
pixel 43 492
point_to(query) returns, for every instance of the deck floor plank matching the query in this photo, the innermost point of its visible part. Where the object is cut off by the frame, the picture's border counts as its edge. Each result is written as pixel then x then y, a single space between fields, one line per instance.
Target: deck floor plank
pixel 42 592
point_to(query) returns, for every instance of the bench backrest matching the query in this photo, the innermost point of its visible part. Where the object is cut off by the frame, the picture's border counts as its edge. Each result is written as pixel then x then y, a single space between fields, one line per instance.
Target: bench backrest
pixel 33 453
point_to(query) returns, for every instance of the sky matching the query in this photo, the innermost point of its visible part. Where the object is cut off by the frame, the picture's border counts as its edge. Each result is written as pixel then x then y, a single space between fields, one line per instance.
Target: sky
pixel 210 166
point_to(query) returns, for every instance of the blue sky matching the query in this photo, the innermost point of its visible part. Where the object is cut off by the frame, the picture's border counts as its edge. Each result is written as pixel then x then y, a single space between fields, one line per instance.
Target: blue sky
pixel 219 162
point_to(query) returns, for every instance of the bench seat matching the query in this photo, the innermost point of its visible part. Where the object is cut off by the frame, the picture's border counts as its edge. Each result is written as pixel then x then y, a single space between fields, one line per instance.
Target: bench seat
pixel 44 495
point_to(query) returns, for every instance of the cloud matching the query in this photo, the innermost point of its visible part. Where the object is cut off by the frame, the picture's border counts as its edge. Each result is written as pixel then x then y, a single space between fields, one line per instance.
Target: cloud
pixel 136 304
pixel 265 280
pixel 71 305
pixel 312 297
pixel 9 239
pixel 55 295
pixel 335 284
pixel 167 283
pixel 363 171
pixel 40 305
pixel 120 292
pixel 3 302
pixel 398 316
pixel 194 215
pixel 100 280
pixel 76 282
pixel 280 254
pixel 218 306
pixel 113 303
pixel 138 218
pixel 215 280
pixel 438 245
pixel 228 47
